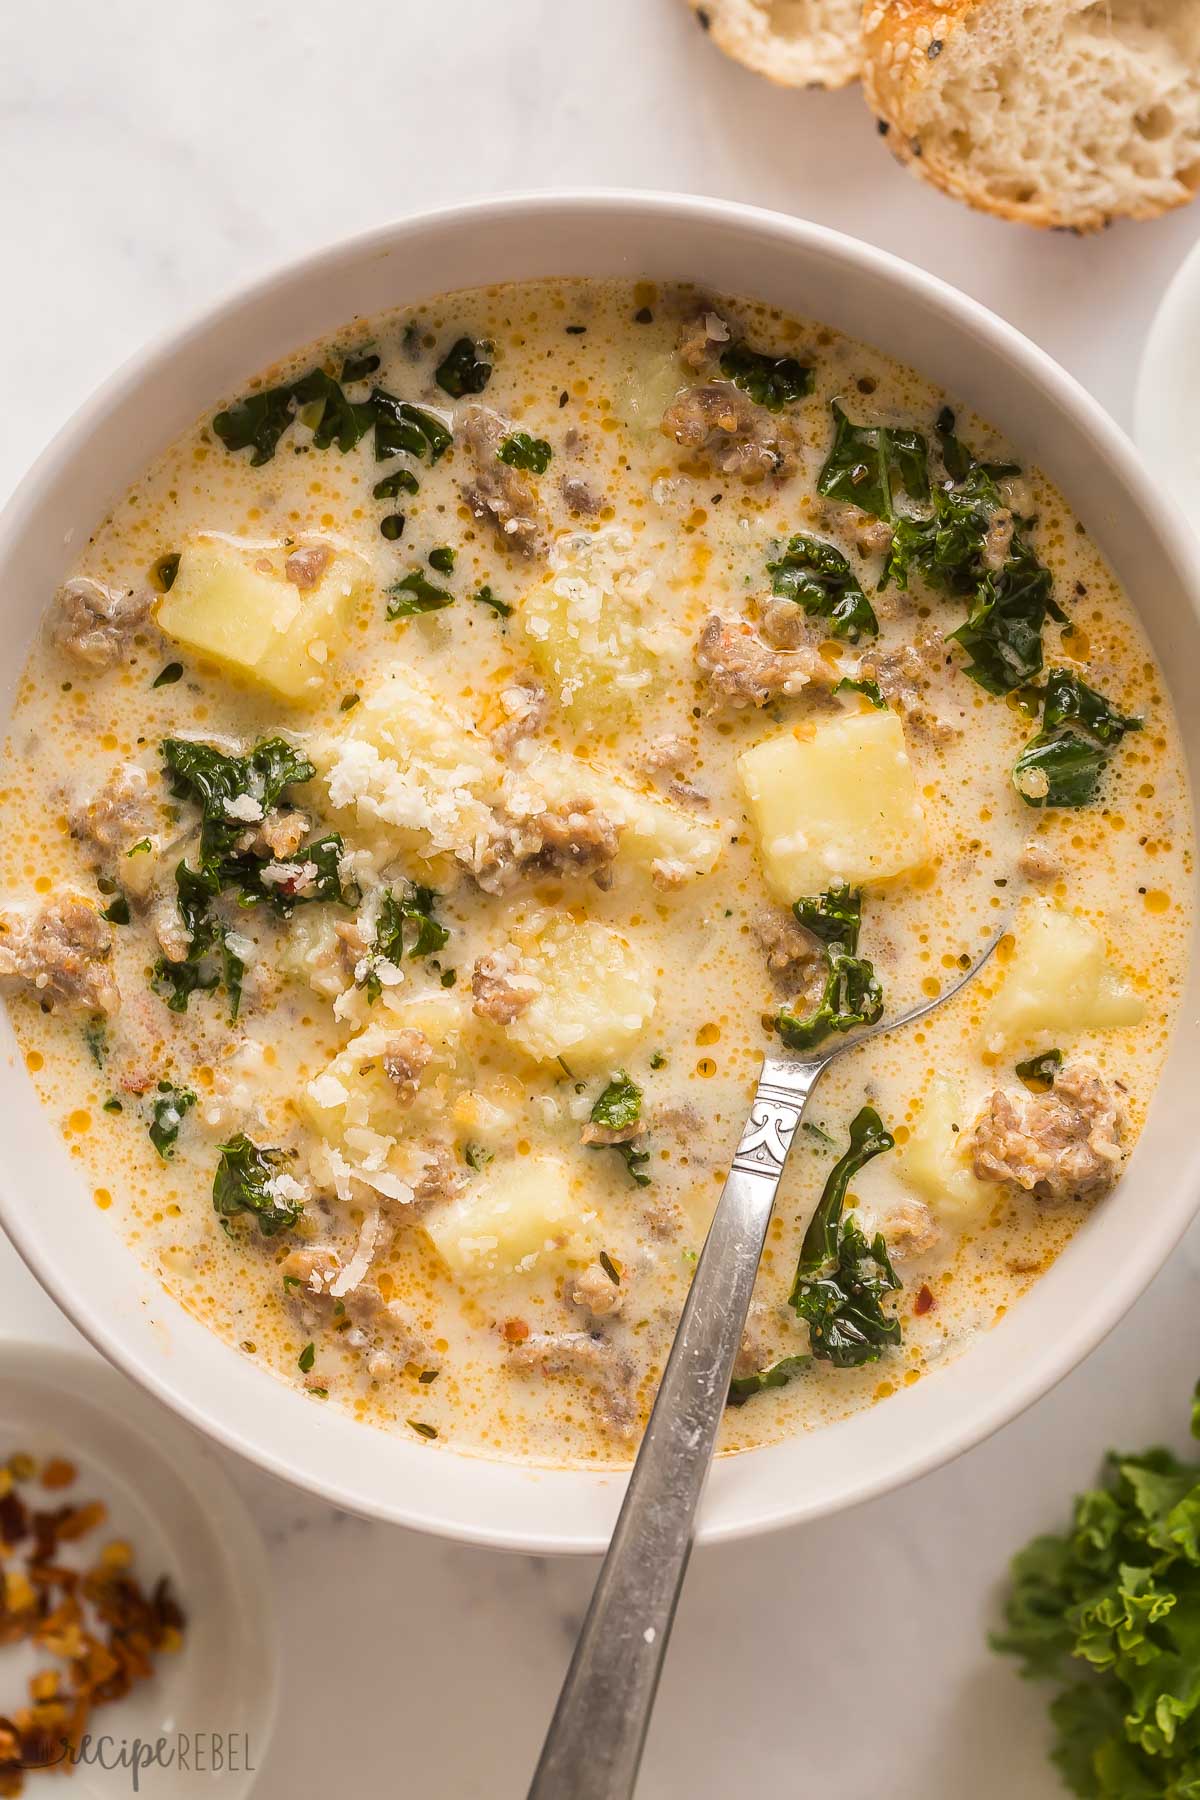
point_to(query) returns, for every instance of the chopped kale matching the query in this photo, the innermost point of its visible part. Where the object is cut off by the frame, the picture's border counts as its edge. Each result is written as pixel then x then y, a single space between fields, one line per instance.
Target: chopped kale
pixel 485 597
pixel 1039 1071
pixel 477 1156
pixel 256 423
pixel 442 559
pixel 168 676
pixel 817 577
pixel 462 370
pixel 869 464
pixel 213 780
pixel 164 572
pixel 402 427
pixel 744 1387
pixel 348 702
pixel 405 915
pixel 332 418
pixel 117 913
pixel 95 1036
pixel 168 1115
pixel 852 995
pixel 1003 631
pixel 415 595
pixel 635 1161
pixel 1063 763
pixel 851 684
pixel 400 481
pixel 770 381
pixel 521 451
pixel 247 1181
pixel 391 527
pixel 358 368
pixel 841 1278
pixel 620 1105
pixel 306 1358
pixel 610 1268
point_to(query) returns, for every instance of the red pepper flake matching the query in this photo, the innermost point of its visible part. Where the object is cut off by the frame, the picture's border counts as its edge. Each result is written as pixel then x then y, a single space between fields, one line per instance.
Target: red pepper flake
pixel 515 1331
pixel 924 1302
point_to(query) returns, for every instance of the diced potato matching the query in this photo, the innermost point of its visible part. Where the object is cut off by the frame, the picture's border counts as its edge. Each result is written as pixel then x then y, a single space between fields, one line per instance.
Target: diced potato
pixel 596 996
pixel 933 1160
pixel 518 1217
pixel 648 389
pixel 1059 981
pixel 411 771
pixel 354 1091
pixel 652 829
pixel 841 805
pixel 593 627
pixel 231 600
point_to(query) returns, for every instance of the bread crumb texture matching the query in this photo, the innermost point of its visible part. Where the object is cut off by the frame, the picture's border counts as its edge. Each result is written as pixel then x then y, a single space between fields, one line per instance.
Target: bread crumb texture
pixel 1063 113
pixel 797 43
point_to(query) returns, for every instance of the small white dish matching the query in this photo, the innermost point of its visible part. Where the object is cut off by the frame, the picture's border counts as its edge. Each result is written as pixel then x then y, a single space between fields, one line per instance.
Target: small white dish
pixel 167 1496
pixel 1168 390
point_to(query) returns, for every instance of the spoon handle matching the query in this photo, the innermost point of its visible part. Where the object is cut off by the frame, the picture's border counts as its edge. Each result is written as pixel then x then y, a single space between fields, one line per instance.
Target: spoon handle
pixel 594 1743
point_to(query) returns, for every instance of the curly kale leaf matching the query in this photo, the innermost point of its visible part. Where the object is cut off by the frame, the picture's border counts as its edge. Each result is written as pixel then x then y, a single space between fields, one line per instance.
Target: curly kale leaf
pixel 770 381
pixel 521 451
pixel 248 1180
pixel 619 1108
pixel 406 926
pixel 213 780
pixel 869 465
pixel 817 577
pixel 744 1387
pixel 1062 765
pixel 1109 1611
pixel 168 1112
pixel 841 1278
pixel 414 595
pixel 462 370
pixel 852 995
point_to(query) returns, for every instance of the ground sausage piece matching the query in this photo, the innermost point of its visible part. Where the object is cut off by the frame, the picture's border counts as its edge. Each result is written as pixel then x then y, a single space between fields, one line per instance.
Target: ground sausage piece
pixel 579 497
pixel 904 676
pixel 997 540
pixel 305 566
pixel 502 992
pixel 495 490
pixel 610 1134
pixel 910 1230
pixel 794 956
pixel 62 952
pixel 702 338
pixel 1061 1145
pixel 598 1292
pixel 742 670
pixel 1038 862
pixel 279 835
pixel 732 434
pixel 116 815
pixel 786 626
pixel 94 623
pixel 167 924
pixel 670 751
pixel 580 1353
pixel 528 707
pixel 580 840
pixel 406 1054
pixel 441 1177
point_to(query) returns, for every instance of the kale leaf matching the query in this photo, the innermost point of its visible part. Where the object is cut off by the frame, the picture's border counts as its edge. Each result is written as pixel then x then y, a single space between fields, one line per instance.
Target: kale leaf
pixel 247 1181
pixel 485 597
pixel 869 464
pixel 168 1114
pixel 414 595
pixel 619 1108
pixel 744 1387
pixel 213 780
pixel 852 995
pixel 841 1278
pixel 1003 631
pixel 1039 1071
pixel 332 418
pixel 1063 763
pixel 521 451
pixel 400 426
pixel 861 684
pixel 770 381
pixel 256 423
pixel 1109 1611
pixel 399 913
pixel 400 481
pixel 358 368
pixel 817 577
pixel 462 370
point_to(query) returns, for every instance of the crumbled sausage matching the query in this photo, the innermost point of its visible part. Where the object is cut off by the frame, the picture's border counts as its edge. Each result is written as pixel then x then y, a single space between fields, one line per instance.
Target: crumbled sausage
pixel 382 1328
pixel 872 536
pixel 62 952
pixel 167 924
pixel 997 540
pixel 610 1134
pixel 670 751
pixel 793 954
pixel 730 432
pixel 306 565
pixel 577 840
pixel 494 489
pixel 441 1178
pixel 116 815
pixel 580 497
pixel 702 337
pixel 94 623
pixel 1064 1144
pixel 528 707
pixel 904 677
pixel 1039 862
pixel 598 1292
pixel 742 670
pixel 611 1377
pixel 910 1230
pixel 686 793
pixel 502 992
pixel 279 835
pixel 406 1055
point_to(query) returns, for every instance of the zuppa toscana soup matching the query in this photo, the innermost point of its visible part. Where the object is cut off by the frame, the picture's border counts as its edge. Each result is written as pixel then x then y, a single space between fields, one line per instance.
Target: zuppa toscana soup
pixel 466 751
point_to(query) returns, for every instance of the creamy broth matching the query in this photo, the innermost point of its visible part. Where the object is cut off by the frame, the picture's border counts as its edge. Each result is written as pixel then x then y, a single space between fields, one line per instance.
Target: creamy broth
pixel 435 1245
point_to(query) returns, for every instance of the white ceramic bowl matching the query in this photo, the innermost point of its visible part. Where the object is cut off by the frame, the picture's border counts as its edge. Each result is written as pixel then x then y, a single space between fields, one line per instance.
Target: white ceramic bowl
pixel 810 271
pixel 1168 388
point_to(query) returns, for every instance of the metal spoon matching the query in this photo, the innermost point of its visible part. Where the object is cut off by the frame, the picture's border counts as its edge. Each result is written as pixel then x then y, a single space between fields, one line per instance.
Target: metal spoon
pixel 594 1743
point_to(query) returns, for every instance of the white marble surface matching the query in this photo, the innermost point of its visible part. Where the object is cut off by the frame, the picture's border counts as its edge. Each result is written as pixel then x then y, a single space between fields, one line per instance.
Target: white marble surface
pixel 154 156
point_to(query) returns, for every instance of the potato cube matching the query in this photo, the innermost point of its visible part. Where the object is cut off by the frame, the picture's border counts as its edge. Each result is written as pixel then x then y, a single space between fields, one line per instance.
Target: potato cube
pixel 841 805
pixel 519 1217
pixel 355 1092
pixel 232 600
pixel 933 1161
pixel 595 997
pixel 1059 981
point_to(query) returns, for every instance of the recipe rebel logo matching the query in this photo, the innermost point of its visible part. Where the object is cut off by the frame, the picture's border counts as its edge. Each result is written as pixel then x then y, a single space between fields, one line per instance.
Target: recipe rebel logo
pixel 202 1753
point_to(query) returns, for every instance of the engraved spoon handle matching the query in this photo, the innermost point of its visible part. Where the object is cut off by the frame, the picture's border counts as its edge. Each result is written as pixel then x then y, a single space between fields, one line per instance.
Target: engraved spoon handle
pixel 594 1744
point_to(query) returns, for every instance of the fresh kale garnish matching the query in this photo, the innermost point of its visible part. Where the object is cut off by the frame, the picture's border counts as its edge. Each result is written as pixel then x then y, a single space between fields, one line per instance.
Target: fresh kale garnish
pixel 860 684
pixel 869 464
pixel 817 577
pixel 521 451
pixel 247 1181
pixel 332 418
pixel 485 597
pixel 770 381
pixel 1063 764
pixel 841 1278
pixel 619 1108
pixel 1041 1070
pixel 404 915
pixel 258 421
pixel 462 370
pixel 400 426
pixel 1109 1611
pixel 852 995
pixel 415 595
pixel 744 1387
pixel 168 1114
